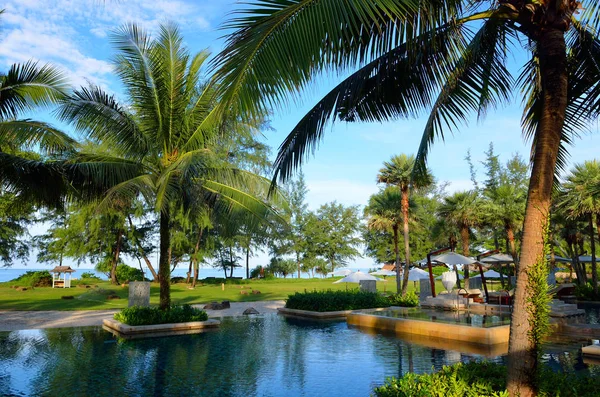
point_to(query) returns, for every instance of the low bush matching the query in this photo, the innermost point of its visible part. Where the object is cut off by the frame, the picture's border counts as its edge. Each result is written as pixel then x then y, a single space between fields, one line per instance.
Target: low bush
pixel 410 300
pixel 484 379
pixel 586 293
pixel 219 280
pixel 126 274
pixel 89 276
pixel 329 301
pixel 32 278
pixel 137 315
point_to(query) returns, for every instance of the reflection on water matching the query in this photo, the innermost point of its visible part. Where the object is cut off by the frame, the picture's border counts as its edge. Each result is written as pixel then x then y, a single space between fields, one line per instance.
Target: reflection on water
pixel 266 356
pixel 448 317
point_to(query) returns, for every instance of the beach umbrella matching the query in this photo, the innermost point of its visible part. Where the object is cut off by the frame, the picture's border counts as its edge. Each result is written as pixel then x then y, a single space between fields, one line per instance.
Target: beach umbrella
pixel 340 273
pixel 452 258
pixel 416 274
pixel 497 259
pixel 383 272
pixel 357 277
pixel 489 274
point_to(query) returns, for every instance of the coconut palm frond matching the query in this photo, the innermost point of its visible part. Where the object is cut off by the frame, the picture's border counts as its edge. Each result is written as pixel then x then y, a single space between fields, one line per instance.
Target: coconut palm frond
pixel 29 134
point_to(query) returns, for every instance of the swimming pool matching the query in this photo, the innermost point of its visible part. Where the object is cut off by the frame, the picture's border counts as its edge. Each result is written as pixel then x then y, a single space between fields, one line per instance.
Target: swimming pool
pixel 266 356
pixel 449 317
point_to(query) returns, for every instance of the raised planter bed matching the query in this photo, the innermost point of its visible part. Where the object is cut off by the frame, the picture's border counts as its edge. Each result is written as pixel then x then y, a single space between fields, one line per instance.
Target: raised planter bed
pixel 318 315
pixel 149 331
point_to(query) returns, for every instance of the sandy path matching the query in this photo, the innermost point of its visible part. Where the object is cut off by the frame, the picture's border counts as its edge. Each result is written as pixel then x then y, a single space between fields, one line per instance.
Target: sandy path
pixel 17 320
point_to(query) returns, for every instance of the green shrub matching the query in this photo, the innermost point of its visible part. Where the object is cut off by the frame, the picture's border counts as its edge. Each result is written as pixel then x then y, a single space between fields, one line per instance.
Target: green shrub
pixel 329 301
pixel 126 274
pixel 485 379
pixel 89 276
pixel 410 300
pixel 32 278
pixel 219 280
pixel 586 292
pixel 137 315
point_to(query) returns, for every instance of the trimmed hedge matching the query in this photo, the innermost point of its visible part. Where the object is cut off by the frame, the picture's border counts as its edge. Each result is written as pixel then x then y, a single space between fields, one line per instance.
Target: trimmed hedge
pixel 484 379
pixel 330 301
pixel 410 300
pixel 137 315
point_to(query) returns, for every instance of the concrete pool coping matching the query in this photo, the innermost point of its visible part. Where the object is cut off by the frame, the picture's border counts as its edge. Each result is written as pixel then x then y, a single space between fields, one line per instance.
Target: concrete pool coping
pixel 156 330
pixel 463 333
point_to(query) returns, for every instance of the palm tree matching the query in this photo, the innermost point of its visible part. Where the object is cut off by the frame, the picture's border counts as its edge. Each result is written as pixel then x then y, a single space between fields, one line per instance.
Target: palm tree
pixel 383 214
pixel 399 172
pixel 447 56
pixel 580 199
pixel 27 87
pixel 163 139
pixel 463 211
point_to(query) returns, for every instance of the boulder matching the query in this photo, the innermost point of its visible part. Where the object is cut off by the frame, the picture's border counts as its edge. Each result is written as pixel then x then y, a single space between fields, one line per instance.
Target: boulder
pixel 244 292
pixel 82 286
pixel 21 289
pixel 67 297
pixel 226 304
pixel 250 310
pixel 255 292
pixel 112 297
pixel 217 306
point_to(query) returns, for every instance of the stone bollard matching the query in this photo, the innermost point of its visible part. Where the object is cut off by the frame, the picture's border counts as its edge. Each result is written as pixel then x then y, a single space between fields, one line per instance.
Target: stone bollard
pixel 368 285
pixel 139 293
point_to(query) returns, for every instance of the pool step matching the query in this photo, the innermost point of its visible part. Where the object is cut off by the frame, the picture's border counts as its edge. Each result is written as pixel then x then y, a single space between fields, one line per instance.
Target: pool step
pixel 560 309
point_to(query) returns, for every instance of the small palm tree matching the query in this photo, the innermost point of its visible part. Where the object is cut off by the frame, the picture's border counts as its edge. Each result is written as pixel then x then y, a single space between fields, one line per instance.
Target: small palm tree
pixel 580 198
pixel 463 210
pixel 164 140
pixel 384 214
pixel 399 172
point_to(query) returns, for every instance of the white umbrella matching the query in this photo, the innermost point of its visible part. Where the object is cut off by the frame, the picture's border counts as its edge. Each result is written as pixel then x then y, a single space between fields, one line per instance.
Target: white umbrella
pixel 452 258
pixel 489 274
pixel 341 273
pixel 357 277
pixel 416 274
pixel 497 259
pixel 383 272
pixel 460 276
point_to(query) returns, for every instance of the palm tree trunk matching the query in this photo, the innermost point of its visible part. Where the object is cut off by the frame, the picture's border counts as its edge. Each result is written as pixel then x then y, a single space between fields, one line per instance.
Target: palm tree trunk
pixel 141 251
pixel 522 353
pixel 510 236
pixel 593 249
pixel 397 251
pixel 163 263
pixel 464 236
pixel 189 272
pixel 196 259
pixel 113 268
pixel 405 193
pixel 248 261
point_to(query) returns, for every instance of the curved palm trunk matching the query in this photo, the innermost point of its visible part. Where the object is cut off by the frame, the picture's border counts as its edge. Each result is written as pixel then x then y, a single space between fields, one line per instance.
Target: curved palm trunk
pixel 464 236
pixel 397 252
pixel 406 241
pixel 510 236
pixel 115 262
pixel 522 353
pixel 164 270
pixel 593 249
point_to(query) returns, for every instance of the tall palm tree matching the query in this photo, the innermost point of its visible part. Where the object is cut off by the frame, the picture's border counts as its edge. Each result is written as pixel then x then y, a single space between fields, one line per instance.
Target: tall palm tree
pixel 384 214
pixel 449 57
pixel 580 199
pixel 464 211
pixel 399 172
pixel 26 87
pixel 163 138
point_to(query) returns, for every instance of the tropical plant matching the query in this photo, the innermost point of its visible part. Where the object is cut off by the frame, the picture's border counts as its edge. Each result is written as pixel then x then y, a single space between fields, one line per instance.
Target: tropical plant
pixel 164 139
pixel 580 199
pixel 448 56
pixel 399 171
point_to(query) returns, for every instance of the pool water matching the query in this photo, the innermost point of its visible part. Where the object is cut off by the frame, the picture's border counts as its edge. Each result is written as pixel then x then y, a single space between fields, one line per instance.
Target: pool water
pixel 259 356
pixel 448 317
pixel 265 356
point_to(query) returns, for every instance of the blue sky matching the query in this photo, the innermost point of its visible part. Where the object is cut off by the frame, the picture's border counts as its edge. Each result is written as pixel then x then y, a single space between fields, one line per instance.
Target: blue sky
pixel 74 35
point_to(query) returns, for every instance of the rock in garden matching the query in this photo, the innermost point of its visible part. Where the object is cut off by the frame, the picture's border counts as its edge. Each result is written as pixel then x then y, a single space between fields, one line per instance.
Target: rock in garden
pixel 217 306
pixel 82 286
pixel 21 289
pixel 112 297
pixel 250 310
pixel 244 292
pixel 226 304
pixel 255 292
pixel 67 297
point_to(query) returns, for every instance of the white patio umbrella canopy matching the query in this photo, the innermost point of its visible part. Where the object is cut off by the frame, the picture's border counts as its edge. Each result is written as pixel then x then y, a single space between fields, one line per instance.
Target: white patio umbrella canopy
pixel 341 273
pixel 357 277
pixel 383 272
pixel 452 258
pixel 417 274
pixel 489 274
pixel 497 259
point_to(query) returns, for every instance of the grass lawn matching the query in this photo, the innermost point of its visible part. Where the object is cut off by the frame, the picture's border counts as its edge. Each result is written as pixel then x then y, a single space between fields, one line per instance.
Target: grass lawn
pixel 46 298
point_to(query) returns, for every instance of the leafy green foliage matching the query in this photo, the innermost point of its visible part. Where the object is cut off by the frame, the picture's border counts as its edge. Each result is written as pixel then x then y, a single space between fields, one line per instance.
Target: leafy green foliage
pixel 485 379
pixel 137 315
pixel 409 300
pixel 89 276
pixel 126 274
pixel 329 301
pixel 586 292
pixel 31 278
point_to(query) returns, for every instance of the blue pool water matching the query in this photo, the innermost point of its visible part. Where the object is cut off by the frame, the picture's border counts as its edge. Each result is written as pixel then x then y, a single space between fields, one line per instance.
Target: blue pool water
pixel 260 356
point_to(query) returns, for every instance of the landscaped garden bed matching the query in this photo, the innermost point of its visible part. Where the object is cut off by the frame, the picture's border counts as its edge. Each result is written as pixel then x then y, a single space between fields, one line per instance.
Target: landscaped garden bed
pixel 331 304
pixel 142 322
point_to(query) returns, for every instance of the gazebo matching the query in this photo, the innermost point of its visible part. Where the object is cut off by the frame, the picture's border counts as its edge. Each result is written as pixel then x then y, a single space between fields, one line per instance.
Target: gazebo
pixel 61 282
